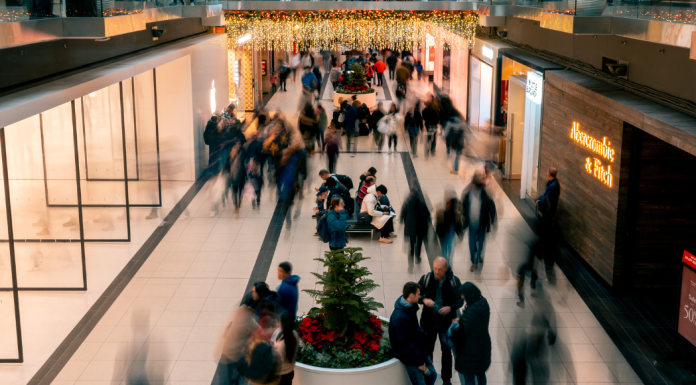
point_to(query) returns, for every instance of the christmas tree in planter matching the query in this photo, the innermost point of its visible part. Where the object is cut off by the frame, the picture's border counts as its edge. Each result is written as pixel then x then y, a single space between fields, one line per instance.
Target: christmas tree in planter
pixel 345 306
pixel 356 82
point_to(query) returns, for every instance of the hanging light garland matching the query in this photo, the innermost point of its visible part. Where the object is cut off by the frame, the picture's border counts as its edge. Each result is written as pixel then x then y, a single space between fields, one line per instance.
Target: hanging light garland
pixel 344 28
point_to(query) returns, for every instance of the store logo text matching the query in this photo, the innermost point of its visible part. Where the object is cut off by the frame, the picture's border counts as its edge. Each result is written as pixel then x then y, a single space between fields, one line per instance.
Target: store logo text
pixel 593 165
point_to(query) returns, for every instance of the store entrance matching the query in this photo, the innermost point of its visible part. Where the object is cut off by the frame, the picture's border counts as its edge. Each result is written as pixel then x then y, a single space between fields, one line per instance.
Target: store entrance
pixel 481 95
pixel 515 128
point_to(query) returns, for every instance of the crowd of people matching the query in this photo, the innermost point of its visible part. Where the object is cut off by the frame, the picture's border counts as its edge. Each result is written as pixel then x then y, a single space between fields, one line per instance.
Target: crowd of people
pixel 261 344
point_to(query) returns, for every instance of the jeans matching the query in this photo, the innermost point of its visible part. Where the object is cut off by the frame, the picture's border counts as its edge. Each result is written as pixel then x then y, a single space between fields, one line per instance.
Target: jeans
pixel 380 79
pixel 476 239
pixel 393 138
pixel 320 139
pixel 414 144
pixel 431 337
pixel 457 155
pixel 430 143
pixel 335 85
pixel 468 379
pixel 391 72
pixel 379 139
pixel 447 245
pixel 418 377
pixel 283 83
pixel 331 158
pixel 351 142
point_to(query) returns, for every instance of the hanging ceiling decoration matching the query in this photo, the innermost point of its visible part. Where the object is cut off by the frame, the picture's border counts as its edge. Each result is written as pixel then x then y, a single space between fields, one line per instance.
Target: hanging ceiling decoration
pixel 350 29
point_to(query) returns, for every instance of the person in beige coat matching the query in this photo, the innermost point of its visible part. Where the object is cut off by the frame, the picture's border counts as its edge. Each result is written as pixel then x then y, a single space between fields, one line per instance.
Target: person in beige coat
pixel 382 216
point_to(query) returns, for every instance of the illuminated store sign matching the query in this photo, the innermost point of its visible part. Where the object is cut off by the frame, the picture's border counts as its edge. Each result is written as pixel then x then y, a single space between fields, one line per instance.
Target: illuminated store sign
pixel 593 165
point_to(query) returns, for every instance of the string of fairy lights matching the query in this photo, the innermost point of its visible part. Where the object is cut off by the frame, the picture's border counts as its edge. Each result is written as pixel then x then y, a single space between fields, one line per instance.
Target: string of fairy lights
pixel 336 29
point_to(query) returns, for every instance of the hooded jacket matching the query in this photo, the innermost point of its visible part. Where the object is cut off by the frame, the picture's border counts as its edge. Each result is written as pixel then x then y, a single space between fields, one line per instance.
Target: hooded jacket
pixel 407 338
pixel 337 226
pixel 289 294
pixel 379 218
pixel 472 340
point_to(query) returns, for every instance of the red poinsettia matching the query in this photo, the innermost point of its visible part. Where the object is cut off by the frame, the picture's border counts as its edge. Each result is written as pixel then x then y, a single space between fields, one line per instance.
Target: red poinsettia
pixel 312 331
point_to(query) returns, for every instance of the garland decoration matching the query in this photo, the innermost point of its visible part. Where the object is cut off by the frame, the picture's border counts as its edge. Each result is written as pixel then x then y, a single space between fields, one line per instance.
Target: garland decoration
pixel 285 30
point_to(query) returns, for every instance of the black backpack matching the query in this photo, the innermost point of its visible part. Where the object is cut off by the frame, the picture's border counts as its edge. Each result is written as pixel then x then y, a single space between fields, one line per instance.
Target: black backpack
pixel 345 181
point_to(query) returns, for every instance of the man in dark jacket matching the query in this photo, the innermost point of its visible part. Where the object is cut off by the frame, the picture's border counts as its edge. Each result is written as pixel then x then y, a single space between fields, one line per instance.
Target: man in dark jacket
pixel 479 215
pixel 287 290
pixel 415 216
pixel 407 338
pixel 431 118
pixel 337 189
pixel 350 118
pixel 471 338
pixel 391 63
pixel 548 206
pixel 442 300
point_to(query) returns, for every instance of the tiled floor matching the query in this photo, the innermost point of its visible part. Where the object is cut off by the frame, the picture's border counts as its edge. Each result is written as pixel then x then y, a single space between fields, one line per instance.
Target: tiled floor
pixel 169 317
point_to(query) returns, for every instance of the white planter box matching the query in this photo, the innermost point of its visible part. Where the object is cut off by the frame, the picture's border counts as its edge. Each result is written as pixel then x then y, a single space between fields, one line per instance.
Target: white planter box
pixel 369 99
pixel 391 372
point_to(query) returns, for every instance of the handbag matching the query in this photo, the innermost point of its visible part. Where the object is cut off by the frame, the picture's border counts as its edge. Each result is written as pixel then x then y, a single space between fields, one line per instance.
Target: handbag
pixel 364 218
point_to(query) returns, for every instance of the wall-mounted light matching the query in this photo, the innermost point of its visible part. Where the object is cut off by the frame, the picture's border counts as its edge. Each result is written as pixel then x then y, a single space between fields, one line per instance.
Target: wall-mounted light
pixel 244 39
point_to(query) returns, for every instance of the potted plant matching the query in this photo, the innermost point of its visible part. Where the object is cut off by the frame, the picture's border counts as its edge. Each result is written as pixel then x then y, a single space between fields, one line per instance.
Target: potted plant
pixel 355 83
pixel 342 341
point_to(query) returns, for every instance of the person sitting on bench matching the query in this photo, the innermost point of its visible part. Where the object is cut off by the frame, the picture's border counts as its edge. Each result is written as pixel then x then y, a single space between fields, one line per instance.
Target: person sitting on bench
pixel 382 217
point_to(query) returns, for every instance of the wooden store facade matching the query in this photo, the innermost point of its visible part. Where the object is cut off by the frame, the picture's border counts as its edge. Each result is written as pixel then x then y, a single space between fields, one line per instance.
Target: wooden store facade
pixel 626 167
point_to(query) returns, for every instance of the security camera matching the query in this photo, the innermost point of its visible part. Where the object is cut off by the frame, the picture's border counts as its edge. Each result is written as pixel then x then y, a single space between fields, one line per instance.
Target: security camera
pixel 502 34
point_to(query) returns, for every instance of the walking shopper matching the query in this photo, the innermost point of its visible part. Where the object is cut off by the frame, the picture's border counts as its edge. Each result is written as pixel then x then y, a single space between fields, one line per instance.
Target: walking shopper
pixel 479 215
pixel 274 82
pixel 393 126
pixel 416 217
pixel 294 63
pixel 449 224
pixel 439 294
pixel 350 123
pixel 414 122
pixel 380 67
pixel 283 76
pixel 287 290
pixel 336 219
pixel 391 63
pixel 548 206
pixel 286 345
pixel 332 141
pixel 236 175
pixel 374 119
pixel 322 123
pixel 431 118
pixel 454 137
pixel 471 338
pixel 407 338
pixel 308 124
pixel 382 218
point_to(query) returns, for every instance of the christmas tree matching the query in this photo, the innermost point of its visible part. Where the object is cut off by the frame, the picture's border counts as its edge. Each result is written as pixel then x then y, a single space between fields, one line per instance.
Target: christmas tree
pixel 357 77
pixel 344 303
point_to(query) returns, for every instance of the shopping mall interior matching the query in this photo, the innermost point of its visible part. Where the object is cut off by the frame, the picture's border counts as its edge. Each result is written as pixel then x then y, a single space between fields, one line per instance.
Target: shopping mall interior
pixel 315 192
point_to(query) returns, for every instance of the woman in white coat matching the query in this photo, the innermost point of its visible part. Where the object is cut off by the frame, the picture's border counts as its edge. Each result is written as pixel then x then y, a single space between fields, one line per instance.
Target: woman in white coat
pixel 382 216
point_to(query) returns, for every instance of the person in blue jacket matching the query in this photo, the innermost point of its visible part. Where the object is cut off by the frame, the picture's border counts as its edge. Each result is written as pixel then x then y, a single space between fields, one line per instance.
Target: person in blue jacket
pixel 407 338
pixel 288 291
pixel 336 219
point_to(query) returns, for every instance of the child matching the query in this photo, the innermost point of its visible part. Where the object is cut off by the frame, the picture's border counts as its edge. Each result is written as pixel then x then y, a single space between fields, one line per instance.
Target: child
pixel 419 69
pixel 274 81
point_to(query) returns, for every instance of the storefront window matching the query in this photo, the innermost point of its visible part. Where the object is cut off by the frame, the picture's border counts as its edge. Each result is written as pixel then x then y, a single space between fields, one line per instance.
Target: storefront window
pixel 481 93
pixel 532 137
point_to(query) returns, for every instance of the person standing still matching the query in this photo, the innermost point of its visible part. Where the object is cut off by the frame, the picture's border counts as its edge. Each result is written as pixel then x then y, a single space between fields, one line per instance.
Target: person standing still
pixel 442 300
pixel 287 290
pixel 336 219
pixel 407 338
pixel 471 338
pixel 380 67
pixel 548 206
pixel 392 60
pixel 478 211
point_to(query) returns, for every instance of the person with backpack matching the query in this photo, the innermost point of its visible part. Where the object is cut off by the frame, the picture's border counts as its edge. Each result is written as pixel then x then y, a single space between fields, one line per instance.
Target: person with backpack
pixel 454 136
pixel 431 118
pixel 338 190
pixel 441 300
pixel 342 179
pixel 336 220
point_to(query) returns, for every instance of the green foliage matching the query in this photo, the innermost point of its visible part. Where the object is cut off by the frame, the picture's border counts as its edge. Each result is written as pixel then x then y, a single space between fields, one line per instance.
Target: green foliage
pixel 344 301
pixel 338 358
pixel 357 78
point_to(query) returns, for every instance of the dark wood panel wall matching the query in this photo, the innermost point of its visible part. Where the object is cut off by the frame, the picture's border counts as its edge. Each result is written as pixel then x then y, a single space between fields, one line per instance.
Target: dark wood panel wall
pixel 587 208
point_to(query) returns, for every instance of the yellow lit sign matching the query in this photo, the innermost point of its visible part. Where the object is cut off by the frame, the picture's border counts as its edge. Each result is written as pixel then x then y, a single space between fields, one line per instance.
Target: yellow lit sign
pixel 593 165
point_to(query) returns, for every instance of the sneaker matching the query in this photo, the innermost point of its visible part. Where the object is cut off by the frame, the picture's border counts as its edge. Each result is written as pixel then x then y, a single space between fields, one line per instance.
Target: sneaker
pixel 520 304
pixel 213 213
pixel 392 235
pixel 385 240
pixel 454 172
pixel 473 267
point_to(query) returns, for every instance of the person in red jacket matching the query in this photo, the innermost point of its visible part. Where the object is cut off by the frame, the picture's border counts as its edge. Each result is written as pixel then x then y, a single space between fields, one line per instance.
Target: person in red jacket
pixel 380 67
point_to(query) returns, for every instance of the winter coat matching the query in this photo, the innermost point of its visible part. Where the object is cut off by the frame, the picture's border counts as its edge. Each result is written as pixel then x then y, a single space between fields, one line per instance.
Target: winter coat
pixel 391 61
pixel 379 218
pixel 548 201
pixel 430 116
pixel 445 219
pixel 376 116
pixel 337 227
pixel 350 115
pixel 450 297
pixel 289 294
pixel 488 212
pixel 415 216
pixel 472 340
pixel 407 338
pixel 236 169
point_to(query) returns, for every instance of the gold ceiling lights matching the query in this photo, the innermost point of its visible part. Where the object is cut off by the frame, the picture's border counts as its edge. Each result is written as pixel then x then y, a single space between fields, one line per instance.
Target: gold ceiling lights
pixel 350 29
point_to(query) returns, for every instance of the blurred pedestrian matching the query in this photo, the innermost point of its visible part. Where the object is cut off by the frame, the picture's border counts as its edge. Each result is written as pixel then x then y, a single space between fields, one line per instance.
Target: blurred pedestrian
pixel 235 340
pixel 336 219
pixel 294 63
pixel 322 123
pixel 548 206
pixel 391 63
pixel 394 120
pixel 414 122
pixel 449 224
pixel 350 125
pixel 236 175
pixel 407 338
pixel 441 298
pixel 530 355
pixel 283 75
pixel 471 338
pixel 286 345
pixel 415 216
pixel 264 302
pixel 374 120
pixel 454 137
pixel 332 148
pixel 309 127
pixel 431 118
pixel 287 290
pixel 479 215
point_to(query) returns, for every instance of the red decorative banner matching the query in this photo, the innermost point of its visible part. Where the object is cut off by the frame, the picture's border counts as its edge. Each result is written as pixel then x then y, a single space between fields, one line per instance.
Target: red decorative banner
pixel 689 259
